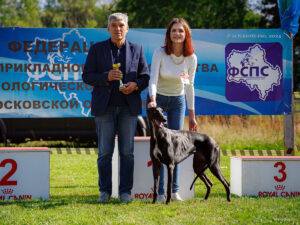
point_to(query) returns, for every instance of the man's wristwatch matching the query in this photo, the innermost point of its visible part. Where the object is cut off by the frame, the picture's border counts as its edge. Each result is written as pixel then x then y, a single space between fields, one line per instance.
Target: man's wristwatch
pixel 137 88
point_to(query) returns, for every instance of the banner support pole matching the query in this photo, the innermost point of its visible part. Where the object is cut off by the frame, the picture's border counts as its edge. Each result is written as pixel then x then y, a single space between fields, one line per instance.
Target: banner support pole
pixel 288 120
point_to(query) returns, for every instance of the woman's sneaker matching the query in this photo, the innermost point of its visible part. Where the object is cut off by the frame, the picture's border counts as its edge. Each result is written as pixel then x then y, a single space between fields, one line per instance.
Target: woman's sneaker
pixel 176 197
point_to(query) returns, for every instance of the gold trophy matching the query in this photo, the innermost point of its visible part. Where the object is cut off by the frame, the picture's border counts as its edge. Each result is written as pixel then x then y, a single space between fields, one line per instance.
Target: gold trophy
pixel 117 66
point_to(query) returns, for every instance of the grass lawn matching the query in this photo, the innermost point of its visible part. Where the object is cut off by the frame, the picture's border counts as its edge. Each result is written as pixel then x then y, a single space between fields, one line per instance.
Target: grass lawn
pixel 74 193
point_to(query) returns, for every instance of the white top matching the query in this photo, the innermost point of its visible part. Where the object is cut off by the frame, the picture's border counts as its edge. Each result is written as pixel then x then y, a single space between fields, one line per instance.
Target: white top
pixel 167 72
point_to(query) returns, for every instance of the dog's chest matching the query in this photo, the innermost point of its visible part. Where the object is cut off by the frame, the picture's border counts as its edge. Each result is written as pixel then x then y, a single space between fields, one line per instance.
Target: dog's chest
pixel 156 153
pixel 162 146
pixel 162 151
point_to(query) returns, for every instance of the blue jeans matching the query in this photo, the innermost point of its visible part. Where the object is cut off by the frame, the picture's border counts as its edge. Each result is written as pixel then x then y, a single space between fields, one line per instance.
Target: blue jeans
pixel 116 120
pixel 174 106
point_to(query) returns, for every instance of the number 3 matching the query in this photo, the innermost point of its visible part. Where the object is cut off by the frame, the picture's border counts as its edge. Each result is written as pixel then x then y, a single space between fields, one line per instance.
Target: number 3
pixel 4 181
pixel 283 167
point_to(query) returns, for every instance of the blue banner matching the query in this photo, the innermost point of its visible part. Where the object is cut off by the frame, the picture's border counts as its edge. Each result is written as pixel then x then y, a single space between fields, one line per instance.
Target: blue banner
pixel 239 71
pixel 289 12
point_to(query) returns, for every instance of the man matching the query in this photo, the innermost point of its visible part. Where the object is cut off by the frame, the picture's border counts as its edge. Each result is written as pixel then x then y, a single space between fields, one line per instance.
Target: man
pixel 116 109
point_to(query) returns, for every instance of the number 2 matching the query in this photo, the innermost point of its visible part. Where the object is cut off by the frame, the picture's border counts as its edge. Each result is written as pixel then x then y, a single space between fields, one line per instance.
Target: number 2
pixel 4 181
pixel 283 167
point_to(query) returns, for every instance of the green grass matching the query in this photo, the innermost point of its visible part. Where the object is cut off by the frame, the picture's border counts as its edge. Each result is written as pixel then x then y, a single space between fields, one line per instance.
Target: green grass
pixel 52 144
pixel 74 193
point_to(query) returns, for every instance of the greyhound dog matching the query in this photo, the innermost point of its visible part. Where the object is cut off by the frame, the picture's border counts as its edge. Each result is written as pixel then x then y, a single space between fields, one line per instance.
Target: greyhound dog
pixel 173 146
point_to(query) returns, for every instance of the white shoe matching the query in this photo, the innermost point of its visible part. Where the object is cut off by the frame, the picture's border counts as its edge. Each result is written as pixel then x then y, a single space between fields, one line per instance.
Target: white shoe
pixel 176 197
pixel 161 198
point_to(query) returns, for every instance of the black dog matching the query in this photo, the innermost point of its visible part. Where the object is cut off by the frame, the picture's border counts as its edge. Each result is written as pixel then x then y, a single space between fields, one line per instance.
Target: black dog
pixel 173 146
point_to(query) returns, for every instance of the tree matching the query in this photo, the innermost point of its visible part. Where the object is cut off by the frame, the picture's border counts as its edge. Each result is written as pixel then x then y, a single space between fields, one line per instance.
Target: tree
pixel 52 16
pixel 79 13
pixel 20 13
pixel 207 14
pixel 251 20
pixel 103 14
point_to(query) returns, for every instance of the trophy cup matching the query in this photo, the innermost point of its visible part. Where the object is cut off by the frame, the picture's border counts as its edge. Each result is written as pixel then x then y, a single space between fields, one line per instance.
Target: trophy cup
pixel 117 66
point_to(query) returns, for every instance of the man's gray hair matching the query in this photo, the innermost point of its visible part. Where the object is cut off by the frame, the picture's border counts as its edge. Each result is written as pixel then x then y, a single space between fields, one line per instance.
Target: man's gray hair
pixel 118 16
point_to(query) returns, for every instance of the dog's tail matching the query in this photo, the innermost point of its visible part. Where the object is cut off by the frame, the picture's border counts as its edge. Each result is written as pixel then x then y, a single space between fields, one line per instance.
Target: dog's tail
pixel 194 182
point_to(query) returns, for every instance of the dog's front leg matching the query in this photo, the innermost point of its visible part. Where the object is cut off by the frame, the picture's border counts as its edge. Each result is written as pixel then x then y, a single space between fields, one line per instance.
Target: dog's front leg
pixel 156 176
pixel 170 182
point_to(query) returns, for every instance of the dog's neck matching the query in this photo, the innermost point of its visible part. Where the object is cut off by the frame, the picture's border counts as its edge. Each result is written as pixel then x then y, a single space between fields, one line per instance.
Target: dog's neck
pixel 155 126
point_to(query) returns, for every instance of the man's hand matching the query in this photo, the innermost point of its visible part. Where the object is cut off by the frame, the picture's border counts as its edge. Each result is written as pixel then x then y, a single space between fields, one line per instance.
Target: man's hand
pixel 114 74
pixel 129 88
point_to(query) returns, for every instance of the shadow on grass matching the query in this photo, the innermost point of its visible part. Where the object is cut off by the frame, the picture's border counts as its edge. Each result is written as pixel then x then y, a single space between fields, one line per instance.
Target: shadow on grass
pixel 70 198
pixel 38 204
pixel 57 201
pixel 74 186
pixel 200 196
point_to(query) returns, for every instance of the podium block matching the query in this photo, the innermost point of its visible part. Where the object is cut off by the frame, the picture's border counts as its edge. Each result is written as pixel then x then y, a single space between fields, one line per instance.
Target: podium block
pixel 143 176
pixel 261 176
pixel 24 173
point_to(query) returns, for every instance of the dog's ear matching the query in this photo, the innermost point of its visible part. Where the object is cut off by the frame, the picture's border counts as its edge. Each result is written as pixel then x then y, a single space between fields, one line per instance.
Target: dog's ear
pixel 160 110
pixel 150 112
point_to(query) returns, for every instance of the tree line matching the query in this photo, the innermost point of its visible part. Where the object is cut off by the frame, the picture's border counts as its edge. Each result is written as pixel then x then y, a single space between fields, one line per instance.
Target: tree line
pixel 142 14
pixel 201 14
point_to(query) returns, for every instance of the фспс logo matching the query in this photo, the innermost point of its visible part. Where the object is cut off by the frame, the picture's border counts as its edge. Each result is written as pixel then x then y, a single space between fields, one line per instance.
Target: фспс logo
pixel 254 72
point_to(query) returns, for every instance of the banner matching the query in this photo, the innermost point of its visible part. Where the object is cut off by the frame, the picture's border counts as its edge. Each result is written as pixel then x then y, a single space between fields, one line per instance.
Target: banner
pixel 239 71
pixel 289 12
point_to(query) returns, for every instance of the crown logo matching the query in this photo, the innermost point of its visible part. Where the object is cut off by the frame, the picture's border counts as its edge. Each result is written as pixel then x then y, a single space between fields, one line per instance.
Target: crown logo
pixel 279 187
pixel 7 191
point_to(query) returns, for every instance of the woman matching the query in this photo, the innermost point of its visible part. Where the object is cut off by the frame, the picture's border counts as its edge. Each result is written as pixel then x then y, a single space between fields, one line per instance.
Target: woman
pixel 172 74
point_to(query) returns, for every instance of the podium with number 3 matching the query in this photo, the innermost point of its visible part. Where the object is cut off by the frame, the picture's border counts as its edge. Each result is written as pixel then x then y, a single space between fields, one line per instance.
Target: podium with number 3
pixel 261 176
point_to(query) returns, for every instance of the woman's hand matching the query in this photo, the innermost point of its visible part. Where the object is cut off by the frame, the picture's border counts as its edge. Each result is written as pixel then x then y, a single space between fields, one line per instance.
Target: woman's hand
pixel 151 104
pixel 192 120
pixel 192 124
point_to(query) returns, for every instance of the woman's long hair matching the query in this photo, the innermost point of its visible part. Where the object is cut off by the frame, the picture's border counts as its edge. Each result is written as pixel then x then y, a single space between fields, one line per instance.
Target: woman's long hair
pixel 188 48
